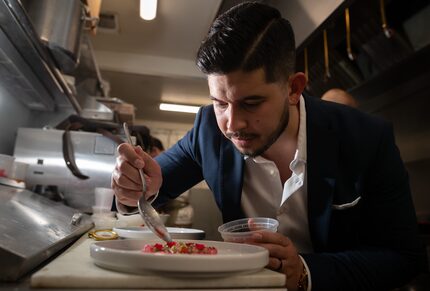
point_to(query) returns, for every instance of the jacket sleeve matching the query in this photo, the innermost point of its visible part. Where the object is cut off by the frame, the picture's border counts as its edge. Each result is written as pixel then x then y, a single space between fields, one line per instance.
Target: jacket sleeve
pixel 181 164
pixel 388 252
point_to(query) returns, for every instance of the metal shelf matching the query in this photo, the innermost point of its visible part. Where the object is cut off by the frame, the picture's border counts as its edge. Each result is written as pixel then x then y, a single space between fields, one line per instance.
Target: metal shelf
pixel 26 67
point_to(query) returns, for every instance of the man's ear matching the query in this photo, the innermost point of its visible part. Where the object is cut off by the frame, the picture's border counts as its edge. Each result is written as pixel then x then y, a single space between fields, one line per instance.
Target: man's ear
pixel 297 83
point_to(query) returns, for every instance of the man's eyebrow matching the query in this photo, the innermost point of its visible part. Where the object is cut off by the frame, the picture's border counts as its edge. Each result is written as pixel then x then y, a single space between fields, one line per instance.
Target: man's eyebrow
pixel 251 97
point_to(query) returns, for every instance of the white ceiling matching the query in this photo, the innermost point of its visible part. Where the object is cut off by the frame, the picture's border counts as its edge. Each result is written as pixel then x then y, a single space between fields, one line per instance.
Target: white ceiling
pixel 146 62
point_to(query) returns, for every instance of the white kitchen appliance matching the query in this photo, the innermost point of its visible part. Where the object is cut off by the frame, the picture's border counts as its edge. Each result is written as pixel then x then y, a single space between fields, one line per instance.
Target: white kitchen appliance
pixel 43 149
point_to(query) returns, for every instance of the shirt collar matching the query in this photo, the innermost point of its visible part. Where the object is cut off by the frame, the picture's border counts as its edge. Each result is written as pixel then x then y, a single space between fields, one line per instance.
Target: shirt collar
pixel 301 139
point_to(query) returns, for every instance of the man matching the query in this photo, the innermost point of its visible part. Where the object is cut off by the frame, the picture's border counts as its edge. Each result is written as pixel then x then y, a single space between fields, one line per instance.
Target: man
pixel 331 175
pixel 340 96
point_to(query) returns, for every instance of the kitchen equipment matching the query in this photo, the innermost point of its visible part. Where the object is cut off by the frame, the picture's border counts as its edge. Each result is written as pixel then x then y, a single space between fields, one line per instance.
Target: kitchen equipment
pixel 104 221
pixel 6 163
pixel 19 171
pixel 74 122
pixel 32 229
pixel 103 198
pixel 16 176
pixel 59 25
pixel 231 259
pixel 242 229
pixel 42 149
pixel 28 69
pixel 148 213
pixel 125 112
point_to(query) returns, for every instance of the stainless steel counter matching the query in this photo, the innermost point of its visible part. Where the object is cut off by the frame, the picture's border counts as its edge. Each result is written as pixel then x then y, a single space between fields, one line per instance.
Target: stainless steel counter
pixel 32 229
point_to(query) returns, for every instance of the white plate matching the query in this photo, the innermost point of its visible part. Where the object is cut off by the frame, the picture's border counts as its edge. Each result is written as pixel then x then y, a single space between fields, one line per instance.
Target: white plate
pixel 145 233
pixel 127 256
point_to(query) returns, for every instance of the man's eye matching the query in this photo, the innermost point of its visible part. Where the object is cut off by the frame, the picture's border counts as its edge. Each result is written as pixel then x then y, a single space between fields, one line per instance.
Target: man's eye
pixel 251 105
pixel 220 104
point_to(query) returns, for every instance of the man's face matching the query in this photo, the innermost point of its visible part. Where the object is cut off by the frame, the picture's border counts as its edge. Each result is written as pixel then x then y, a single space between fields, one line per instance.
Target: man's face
pixel 249 111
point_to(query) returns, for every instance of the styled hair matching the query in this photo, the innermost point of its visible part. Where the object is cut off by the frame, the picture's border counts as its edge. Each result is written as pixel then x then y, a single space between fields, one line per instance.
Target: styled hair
pixel 246 37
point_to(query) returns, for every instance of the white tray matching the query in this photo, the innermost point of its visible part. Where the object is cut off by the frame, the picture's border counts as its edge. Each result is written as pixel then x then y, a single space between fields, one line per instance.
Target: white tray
pixel 76 269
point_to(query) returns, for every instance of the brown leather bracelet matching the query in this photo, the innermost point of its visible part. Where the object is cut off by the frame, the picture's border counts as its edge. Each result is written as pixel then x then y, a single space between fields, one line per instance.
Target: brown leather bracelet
pixel 302 285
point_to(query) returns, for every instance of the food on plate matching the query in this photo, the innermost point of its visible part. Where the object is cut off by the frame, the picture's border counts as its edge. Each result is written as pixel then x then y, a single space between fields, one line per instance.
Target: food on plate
pixel 180 248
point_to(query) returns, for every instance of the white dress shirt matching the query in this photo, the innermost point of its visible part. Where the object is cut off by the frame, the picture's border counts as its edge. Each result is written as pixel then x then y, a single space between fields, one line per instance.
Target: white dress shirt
pixel 263 194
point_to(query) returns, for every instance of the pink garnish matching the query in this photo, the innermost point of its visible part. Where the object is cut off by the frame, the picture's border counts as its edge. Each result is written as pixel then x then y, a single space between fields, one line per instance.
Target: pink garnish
pixel 180 248
pixel 158 247
pixel 171 244
pixel 200 247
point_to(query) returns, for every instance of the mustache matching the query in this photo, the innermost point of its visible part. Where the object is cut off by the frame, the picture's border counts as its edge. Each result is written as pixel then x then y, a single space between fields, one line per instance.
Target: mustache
pixel 239 135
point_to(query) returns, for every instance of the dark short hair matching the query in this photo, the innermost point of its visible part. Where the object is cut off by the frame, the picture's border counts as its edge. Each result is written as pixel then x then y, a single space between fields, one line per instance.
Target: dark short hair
pixel 246 37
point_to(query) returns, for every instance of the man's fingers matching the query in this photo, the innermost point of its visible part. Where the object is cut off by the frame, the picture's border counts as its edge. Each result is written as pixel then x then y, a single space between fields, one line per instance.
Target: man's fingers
pixel 151 167
pixel 271 238
pixel 126 175
pixel 275 264
pixel 131 154
pixel 278 245
pixel 126 196
pixel 138 158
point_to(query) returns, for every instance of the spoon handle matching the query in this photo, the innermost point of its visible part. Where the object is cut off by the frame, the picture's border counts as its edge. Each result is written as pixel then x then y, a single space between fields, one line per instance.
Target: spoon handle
pixel 142 177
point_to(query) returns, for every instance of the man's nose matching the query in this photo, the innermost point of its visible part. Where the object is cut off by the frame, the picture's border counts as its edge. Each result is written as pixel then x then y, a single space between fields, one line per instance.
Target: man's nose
pixel 236 119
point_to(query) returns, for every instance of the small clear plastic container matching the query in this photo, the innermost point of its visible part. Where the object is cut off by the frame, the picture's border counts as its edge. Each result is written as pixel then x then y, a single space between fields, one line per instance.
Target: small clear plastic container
pixel 242 229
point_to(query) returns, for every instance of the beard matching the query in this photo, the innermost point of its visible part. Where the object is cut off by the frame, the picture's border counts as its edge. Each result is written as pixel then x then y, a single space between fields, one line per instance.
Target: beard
pixel 271 139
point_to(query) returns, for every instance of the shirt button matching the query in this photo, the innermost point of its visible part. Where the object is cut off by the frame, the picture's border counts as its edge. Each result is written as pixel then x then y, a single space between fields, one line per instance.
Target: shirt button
pixel 272 172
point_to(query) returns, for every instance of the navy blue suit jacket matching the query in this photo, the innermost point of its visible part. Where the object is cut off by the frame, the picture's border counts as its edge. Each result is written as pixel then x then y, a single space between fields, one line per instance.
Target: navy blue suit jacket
pixel 371 245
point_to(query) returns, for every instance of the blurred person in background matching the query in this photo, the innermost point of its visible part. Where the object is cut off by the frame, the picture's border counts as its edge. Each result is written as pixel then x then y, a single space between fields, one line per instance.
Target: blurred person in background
pixel 340 96
pixel 156 147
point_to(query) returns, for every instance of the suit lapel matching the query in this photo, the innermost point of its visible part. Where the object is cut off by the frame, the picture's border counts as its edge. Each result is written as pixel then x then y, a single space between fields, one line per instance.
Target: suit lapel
pixel 322 161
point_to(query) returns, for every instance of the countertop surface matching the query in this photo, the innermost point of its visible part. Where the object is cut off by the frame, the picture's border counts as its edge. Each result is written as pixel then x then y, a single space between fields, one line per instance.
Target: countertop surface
pixel 75 269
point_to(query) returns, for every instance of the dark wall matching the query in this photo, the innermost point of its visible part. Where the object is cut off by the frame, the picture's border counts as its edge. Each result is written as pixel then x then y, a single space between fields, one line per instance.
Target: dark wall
pixel 411 120
pixel 389 76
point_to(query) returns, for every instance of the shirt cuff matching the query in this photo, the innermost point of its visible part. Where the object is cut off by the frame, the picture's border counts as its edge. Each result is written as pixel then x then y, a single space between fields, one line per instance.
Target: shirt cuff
pixel 309 274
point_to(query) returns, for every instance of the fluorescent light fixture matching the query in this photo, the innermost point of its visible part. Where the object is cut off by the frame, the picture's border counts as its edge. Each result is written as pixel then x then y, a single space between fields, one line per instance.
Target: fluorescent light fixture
pixel 179 108
pixel 148 9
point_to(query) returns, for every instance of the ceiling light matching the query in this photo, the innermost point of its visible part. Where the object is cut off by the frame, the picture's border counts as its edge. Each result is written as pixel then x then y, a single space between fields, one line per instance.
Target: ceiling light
pixel 148 9
pixel 179 108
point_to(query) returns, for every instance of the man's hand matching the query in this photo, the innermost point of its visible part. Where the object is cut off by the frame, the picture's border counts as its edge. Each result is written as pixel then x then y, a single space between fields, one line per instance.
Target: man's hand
pixel 125 177
pixel 283 254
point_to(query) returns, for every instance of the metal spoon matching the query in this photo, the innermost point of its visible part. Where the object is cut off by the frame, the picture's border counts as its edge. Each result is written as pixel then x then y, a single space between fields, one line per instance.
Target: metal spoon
pixel 148 213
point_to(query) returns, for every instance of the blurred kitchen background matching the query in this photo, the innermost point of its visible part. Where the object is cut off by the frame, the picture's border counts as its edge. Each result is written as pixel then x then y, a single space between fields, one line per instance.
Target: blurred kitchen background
pixel 72 71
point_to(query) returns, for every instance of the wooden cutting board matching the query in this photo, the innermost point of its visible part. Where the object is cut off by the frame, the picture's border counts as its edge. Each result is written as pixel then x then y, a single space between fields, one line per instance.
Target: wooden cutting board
pixel 75 269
